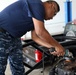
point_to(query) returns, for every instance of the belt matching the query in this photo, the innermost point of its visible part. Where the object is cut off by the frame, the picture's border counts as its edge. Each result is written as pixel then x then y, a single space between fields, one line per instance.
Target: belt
pixel 2 30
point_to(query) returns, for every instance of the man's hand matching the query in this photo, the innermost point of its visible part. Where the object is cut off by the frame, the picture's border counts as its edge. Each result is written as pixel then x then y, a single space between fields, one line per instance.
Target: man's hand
pixel 59 51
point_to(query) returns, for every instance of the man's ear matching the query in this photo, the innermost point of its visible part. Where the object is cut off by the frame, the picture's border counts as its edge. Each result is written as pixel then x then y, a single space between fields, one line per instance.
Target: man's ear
pixel 51 5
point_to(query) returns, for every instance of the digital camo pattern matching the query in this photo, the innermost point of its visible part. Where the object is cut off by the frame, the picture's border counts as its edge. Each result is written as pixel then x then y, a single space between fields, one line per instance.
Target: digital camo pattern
pixel 11 48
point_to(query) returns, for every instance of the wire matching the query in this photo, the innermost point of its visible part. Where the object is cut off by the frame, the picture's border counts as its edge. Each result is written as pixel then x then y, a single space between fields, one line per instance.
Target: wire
pixel 43 62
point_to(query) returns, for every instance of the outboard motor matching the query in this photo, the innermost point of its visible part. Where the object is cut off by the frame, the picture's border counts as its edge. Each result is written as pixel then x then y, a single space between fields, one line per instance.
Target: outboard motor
pixel 65 65
pixel 70 29
pixel 68 65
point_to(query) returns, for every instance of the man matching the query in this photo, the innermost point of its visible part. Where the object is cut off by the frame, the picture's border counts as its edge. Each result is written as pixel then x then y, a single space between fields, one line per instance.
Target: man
pixel 15 21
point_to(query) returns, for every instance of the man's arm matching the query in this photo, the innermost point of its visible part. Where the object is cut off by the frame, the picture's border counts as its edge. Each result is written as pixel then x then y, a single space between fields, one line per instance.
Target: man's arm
pixel 44 35
pixel 38 40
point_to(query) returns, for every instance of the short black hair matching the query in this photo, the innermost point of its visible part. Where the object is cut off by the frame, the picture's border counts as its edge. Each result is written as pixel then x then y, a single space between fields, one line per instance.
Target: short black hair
pixel 52 1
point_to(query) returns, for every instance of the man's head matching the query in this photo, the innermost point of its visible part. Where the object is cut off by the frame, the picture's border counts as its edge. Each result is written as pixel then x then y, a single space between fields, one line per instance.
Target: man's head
pixel 51 9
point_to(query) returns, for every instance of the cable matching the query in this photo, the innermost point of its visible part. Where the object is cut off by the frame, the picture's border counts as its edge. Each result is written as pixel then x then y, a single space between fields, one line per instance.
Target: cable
pixel 43 62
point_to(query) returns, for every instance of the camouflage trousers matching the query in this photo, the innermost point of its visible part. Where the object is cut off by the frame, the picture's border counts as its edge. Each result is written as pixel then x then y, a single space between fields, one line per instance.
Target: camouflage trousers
pixel 10 48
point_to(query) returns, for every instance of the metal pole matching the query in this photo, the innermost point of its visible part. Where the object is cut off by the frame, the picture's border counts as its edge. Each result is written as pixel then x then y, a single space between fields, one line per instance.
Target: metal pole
pixel 68 11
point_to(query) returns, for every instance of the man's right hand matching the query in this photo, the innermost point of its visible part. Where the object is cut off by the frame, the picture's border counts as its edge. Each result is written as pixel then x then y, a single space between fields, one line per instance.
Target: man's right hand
pixel 59 51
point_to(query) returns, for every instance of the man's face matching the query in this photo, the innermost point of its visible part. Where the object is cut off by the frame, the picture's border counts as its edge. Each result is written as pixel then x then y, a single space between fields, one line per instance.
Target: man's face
pixel 51 11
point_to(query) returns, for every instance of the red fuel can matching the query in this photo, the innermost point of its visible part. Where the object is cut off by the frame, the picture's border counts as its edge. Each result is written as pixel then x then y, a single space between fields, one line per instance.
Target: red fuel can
pixel 38 55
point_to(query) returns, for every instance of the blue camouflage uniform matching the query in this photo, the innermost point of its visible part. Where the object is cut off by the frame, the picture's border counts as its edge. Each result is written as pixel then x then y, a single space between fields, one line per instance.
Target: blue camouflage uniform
pixel 16 20
pixel 11 48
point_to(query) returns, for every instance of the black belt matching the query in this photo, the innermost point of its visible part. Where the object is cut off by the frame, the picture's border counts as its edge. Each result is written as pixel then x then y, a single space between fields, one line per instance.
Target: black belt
pixel 2 30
